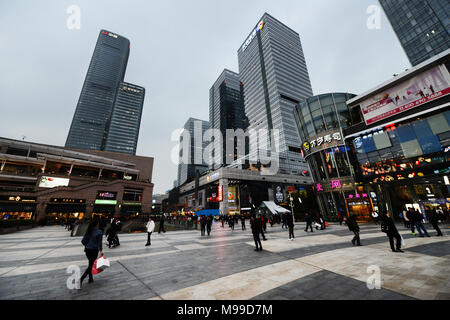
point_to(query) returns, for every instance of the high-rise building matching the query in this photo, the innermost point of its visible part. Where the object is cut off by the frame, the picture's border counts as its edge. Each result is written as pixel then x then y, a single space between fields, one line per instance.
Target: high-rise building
pixel 422 26
pixel 275 79
pixel 93 113
pixel 97 124
pixel 191 152
pixel 226 110
pixel 123 131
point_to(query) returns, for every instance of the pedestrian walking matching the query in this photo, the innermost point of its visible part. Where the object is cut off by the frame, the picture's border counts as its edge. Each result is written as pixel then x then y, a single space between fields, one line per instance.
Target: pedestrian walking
pixel 231 222
pixel 410 217
pixel 352 225
pixel 388 227
pixel 223 221
pixel 209 221
pixel 434 220
pixel 256 230
pixel 261 227
pixel 284 221
pixel 150 228
pixel 243 223
pixel 92 242
pixel 290 223
pixel 418 217
pixel 161 224
pixel 340 219
pixel 309 220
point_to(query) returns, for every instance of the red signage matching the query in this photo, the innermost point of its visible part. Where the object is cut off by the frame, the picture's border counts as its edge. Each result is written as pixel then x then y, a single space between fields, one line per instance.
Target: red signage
pixel 423 88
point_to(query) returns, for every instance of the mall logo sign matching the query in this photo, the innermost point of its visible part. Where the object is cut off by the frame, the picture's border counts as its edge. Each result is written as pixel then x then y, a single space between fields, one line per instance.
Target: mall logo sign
pixel 329 138
pixel 253 35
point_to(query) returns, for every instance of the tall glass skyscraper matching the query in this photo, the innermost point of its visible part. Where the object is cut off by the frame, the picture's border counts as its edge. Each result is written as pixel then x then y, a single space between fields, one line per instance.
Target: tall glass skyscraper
pixel 422 26
pixel 275 79
pixel 123 131
pixel 191 151
pixel 226 109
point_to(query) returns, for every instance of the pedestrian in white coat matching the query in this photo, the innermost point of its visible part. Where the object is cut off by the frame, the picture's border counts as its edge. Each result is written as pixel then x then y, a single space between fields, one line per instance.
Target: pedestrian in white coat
pixel 150 228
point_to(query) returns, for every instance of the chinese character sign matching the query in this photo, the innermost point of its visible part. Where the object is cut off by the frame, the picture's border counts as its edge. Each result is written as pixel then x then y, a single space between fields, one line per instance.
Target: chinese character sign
pixel 336 184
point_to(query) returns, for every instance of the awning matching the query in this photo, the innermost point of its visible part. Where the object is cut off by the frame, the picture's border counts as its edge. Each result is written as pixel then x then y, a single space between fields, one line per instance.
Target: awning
pixel 274 208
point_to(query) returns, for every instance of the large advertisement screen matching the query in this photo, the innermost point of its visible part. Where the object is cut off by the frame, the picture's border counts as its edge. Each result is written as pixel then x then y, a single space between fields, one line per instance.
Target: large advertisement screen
pixel 51 182
pixel 425 87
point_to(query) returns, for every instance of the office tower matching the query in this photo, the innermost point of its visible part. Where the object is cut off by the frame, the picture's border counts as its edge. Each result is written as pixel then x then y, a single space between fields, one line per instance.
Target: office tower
pixel 123 131
pixel 226 110
pixel 191 151
pixel 275 78
pixel 422 26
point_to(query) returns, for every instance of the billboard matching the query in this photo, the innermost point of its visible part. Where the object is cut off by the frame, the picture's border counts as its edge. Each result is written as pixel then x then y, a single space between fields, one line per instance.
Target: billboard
pixel 51 182
pixel 425 87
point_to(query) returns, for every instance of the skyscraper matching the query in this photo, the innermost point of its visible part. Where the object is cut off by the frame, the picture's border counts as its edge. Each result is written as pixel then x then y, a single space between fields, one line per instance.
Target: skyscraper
pixel 93 113
pixel 422 26
pixel 191 150
pixel 226 109
pixel 275 78
pixel 123 131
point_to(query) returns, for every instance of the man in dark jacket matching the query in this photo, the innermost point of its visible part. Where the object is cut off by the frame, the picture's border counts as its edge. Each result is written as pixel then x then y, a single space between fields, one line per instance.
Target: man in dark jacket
pixel 353 226
pixel 256 230
pixel 434 218
pixel 243 223
pixel 209 221
pixel 388 226
pixel 309 221
pixel 260 220
pixel 410 216
pixel 290 223
pixel 161 224
pixel 418 217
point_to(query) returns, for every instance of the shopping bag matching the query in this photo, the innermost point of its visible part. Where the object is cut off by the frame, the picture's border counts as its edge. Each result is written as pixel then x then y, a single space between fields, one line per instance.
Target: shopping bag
pixel 100 265
pixel 103 263
pixel 403 242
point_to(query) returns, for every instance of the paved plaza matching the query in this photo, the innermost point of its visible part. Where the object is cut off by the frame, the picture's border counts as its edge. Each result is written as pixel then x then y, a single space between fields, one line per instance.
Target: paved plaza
pixel 185 266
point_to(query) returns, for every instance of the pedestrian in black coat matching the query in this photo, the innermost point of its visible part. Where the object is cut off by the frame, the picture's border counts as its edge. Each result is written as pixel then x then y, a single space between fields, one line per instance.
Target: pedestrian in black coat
pixel 261 227
pixel 434 220
pixel 256 230
pixel 161 224
pixel 352 225
pixel 209 221
pixel 290 223
pixel 388 226
pixel 309 220
pixel 243 223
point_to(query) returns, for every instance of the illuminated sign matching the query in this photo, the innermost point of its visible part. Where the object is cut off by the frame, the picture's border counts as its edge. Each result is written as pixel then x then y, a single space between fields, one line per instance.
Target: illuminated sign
pixel 110 34
pixel 220 197
pixel 253 35
pixel 51 182
pixel 423 88
pixel 331 139
pixel 114 202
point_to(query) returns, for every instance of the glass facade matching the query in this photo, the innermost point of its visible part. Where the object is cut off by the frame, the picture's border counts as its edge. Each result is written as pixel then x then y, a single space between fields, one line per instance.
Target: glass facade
pixel 123 131
pixel 422 26
pixel 404 151
pixel 275 78
pixel 93 113
pixel 320 123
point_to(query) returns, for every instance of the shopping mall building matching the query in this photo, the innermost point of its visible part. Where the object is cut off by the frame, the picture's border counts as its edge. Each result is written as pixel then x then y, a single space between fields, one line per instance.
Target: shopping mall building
pixel 40 181
pixel 400 151
pixel 386 149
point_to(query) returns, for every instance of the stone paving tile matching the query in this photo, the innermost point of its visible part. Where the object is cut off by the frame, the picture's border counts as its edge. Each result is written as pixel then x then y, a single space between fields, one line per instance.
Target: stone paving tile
pixel 325 285
pixel 137 275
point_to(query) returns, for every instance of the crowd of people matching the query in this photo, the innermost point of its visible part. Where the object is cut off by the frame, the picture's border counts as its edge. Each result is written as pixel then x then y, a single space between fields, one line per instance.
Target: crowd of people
pixel 413 219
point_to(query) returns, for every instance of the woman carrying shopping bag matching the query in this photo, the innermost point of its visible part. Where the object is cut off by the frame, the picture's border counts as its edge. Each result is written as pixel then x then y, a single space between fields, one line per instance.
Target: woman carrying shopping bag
pixel 92 242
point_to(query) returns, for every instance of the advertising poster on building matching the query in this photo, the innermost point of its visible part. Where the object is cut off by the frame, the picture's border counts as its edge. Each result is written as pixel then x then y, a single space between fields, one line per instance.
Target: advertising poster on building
pixel 50 182
pixel 425 87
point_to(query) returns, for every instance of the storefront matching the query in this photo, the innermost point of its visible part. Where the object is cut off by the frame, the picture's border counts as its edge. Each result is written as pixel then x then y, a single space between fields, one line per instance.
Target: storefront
pixel 60 209
pixel 105 204
pixel 14 207
pixel 401 149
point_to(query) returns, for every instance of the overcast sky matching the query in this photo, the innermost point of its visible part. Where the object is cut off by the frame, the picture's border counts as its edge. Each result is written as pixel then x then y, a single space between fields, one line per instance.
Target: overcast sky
pixel 178 49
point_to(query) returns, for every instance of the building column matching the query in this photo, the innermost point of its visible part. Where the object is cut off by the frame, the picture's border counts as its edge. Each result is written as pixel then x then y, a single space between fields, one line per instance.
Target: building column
pixel 223 206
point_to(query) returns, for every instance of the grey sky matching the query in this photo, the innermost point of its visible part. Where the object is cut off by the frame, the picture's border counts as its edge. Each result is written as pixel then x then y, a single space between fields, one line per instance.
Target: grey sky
pixel 178 49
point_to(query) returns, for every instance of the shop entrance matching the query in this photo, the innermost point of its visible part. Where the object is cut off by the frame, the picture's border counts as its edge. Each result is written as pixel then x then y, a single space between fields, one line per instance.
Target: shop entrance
pixel 58 213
